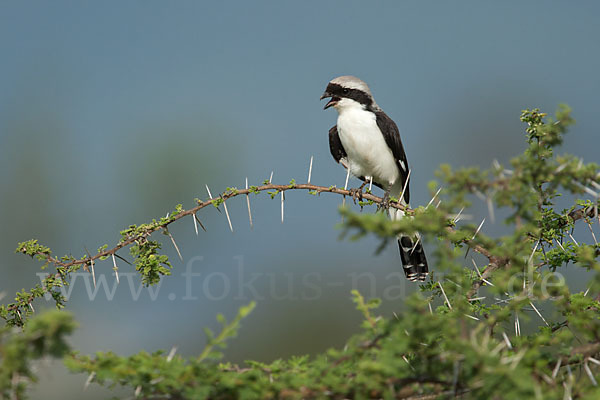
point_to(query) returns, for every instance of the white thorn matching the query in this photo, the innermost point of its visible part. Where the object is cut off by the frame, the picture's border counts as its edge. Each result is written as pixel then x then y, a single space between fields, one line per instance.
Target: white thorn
pixel 559 245
pixel 472 317
pixel 490 206
pixel 587 190
pixel 496 164
pixel 248 203
pixel 434 196
pixel 271 178
pixel 593 235
pixel 479 194
pixel 538 313
pixel 445 297
pixel 589 373
pixel 174 244
pixel 479 273
pixel 587 291
pixel 430 310
pixel 477 298
pixel 172 353
pixel 415 245
pixel 370 183
pixel 533 252
pixel 195 224
pixel 507 340
pixel 227 214
pixel 556 368
pixel 347 177
pixel 89 380
pixel 400 199
pixel 282 200
pixel 93 272
pixel 457 218
pixel 573 239
pixel 209 194
pixel 595 184
pixel 138 390
pixel 560 168
pixel 517 324
pixel 115 268
pixel 310 169
pixel 478 229
pixel 592 359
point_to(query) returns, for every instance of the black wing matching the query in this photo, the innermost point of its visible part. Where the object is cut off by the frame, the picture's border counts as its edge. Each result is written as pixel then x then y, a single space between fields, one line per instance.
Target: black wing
pixel 335 145
pixel 391 134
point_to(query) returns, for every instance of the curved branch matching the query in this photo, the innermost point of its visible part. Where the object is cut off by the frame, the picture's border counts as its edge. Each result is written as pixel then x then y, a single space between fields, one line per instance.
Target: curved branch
pixel 202 204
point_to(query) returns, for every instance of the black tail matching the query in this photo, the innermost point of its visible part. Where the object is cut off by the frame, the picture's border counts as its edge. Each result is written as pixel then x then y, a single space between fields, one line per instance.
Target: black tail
pixel 413 259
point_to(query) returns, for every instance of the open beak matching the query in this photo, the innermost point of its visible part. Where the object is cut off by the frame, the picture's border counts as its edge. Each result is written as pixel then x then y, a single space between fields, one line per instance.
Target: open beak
pixel 334 100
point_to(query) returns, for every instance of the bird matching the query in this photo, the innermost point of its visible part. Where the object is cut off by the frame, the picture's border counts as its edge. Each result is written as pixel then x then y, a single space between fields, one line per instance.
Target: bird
pixel 367 142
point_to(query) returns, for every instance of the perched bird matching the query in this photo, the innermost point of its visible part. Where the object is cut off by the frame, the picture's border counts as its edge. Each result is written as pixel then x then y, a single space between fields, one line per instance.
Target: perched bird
pixel 367 142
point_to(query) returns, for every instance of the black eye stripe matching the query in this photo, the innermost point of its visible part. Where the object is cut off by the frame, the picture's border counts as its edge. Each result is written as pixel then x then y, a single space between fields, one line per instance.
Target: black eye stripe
pixel 354 94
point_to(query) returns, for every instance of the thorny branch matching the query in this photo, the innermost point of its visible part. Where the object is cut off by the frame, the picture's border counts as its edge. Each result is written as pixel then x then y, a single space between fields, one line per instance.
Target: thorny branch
pixel 494 262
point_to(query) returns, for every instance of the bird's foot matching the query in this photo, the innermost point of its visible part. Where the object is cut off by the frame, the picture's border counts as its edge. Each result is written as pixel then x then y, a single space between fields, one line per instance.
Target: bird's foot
pixel 357 193
pixel 385 202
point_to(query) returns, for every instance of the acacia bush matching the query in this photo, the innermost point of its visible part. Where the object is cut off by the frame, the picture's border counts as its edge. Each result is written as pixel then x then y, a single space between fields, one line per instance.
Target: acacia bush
pixel 459 336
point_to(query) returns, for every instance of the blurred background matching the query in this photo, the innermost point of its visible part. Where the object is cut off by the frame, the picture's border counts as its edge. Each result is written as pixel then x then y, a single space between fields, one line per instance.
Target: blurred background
pixel 111 113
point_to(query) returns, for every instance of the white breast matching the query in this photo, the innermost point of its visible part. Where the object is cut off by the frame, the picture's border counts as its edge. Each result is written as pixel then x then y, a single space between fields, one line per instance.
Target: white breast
pixel 368 153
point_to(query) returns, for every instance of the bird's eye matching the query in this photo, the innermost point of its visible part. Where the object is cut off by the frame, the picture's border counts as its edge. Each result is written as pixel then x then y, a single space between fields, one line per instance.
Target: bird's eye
pixel 345 91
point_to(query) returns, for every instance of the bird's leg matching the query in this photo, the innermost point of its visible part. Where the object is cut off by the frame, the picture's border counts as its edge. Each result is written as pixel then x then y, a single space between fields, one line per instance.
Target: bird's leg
pixel 357 193
pixel 385 202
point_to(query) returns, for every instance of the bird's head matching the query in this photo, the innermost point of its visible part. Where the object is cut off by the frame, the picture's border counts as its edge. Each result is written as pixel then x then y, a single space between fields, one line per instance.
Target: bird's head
pixel 348 92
